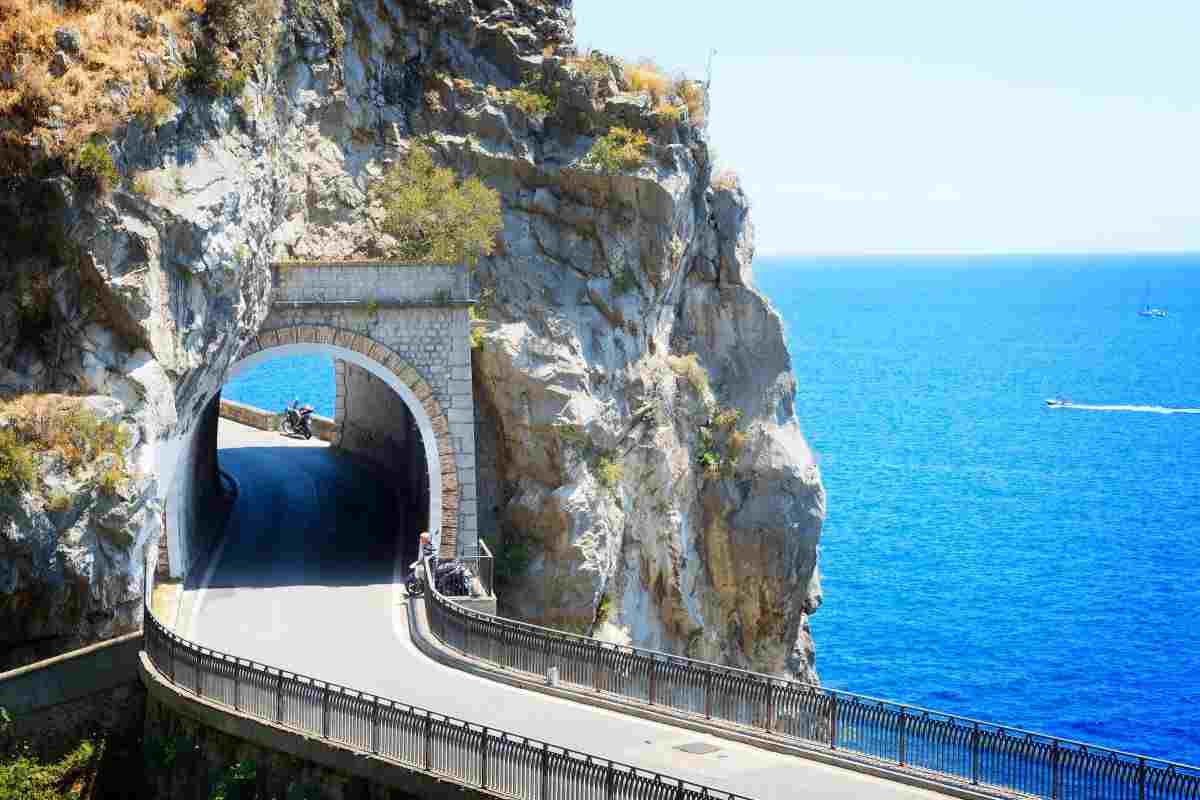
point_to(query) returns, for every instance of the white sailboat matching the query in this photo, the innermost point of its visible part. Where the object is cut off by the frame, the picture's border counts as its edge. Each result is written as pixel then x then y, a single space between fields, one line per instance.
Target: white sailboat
pixel 1149 310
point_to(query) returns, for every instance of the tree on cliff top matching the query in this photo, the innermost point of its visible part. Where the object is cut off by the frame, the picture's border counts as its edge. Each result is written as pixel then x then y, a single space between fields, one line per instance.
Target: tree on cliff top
pixel 434 216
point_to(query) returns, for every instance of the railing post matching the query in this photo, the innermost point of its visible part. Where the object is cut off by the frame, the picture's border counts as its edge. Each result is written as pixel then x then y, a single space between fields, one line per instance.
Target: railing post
pixel 833 721
pixel 237 685
pixel 1054 776
pixel 483 759
pixel 1141 779
pixel 325 711
pixel 596 666
pixel 903 744
pixel 610 782
pixel 279 697
pixel 975 753
pixel 653 680
pixel 769 716
pixel 708 682
pixel 171 648
pixel 375 725
pixel 196 669
pixel 545 795
pixel 428 742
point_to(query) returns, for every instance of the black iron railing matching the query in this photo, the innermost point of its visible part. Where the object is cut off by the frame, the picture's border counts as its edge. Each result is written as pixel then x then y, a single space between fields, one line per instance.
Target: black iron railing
pixel 943 747
pixel 464 752
pixel 479 559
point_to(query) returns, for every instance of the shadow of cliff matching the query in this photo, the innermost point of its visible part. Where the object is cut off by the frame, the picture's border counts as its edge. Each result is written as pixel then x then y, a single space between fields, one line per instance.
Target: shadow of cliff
pixel 310 517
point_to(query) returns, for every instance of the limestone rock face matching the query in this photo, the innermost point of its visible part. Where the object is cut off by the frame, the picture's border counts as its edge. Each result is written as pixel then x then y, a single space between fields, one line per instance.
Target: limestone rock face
pixel 627 500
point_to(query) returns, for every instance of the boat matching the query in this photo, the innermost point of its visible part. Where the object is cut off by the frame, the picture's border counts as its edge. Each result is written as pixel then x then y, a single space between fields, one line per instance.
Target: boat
pixel 1057 402
pixel 1148 310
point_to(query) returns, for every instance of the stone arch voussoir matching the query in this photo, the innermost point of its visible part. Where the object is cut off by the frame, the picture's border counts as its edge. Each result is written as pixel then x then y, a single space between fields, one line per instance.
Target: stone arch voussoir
pixel 407 374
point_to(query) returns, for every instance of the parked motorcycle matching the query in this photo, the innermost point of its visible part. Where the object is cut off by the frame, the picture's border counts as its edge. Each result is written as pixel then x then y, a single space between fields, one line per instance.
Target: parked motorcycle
pixel 296 420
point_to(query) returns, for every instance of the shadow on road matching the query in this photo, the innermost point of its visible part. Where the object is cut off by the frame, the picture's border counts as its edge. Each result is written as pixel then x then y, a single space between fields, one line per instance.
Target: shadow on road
pixel 310 516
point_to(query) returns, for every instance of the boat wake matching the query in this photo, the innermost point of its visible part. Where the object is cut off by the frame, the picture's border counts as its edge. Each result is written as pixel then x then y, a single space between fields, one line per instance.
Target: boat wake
pixel 1142 409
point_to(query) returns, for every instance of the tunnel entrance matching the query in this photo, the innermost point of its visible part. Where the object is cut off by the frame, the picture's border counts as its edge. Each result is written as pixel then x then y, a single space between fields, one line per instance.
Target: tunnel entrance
pixel 364 431
pixel 386 413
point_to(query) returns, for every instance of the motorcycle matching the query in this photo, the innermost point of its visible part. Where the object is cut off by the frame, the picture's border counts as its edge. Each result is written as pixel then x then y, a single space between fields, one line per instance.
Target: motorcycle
pixel 295 420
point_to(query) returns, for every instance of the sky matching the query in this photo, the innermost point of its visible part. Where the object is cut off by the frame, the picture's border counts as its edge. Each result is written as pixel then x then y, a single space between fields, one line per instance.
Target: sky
pixel 941 126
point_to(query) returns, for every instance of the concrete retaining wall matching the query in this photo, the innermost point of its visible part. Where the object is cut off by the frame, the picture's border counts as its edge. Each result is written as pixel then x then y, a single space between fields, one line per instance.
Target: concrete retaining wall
pixel 323 427
pixel 71 676
pixel 56 703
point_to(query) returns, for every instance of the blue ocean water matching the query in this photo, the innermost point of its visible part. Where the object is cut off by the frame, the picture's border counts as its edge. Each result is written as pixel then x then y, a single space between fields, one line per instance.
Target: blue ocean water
pixel 985 555
pixel 274 384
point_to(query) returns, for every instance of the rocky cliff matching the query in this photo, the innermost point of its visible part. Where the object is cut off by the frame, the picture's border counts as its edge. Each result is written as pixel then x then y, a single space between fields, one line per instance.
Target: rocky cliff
pixel 640 459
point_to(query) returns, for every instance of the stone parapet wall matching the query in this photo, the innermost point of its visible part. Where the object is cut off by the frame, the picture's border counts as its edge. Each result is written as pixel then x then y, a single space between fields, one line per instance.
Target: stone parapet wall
pixel 323 427
pixel 369 283
pixel 65 699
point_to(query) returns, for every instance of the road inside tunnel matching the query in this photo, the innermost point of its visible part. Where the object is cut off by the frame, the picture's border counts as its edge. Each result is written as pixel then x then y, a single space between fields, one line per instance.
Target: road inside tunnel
pixel 310 551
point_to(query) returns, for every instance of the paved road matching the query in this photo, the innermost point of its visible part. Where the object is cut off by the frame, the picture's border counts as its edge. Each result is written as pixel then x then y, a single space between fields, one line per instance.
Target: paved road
pixel 304 582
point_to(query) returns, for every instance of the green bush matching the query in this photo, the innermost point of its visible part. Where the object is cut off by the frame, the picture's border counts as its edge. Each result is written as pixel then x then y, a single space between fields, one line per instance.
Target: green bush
pixel 533 103
pixel 95 163
pixel 619 150
pixel 28 778
pixel 436 217
pixel 18 470
pixel 237 783
pixel 609 471
pixel 58 501
pixel 59 424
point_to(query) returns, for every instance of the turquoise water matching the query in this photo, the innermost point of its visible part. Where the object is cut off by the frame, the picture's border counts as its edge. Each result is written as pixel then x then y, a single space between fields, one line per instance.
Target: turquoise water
pixel 274 384
pixel 985 555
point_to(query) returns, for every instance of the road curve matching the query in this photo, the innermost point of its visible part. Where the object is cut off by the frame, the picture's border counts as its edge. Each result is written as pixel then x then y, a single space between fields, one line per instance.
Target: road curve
pixel 304 581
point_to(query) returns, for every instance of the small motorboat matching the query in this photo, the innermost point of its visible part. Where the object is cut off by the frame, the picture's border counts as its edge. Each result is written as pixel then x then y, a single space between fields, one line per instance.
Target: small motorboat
pixel 1056 402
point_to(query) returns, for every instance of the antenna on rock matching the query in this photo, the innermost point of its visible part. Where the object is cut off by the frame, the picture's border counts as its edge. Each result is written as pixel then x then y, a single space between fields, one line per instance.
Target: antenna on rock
pixel 708 69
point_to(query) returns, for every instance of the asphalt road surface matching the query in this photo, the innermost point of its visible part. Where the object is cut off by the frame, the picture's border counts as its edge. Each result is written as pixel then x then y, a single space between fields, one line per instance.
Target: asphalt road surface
pixel 304 581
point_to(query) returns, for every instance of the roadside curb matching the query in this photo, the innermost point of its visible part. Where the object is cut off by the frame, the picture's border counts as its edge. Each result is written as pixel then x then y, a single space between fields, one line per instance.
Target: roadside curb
pixel 422 636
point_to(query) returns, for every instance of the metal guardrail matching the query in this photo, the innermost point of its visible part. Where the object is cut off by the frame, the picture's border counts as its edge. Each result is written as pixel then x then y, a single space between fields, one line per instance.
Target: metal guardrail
pixel 464 752
pixel 942 747
pixel 481 562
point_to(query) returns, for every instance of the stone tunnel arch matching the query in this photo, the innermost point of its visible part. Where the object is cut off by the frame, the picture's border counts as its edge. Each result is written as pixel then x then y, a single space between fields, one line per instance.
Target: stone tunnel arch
pixel 402 378
pixel 395 329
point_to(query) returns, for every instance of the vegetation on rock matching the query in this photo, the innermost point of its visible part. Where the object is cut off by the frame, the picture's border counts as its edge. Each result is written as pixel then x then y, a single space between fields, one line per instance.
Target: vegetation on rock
pixel 25 776
pixel 619 150
pixel 46 424
pixel 436 217
pixel 532 102
pixel 69 70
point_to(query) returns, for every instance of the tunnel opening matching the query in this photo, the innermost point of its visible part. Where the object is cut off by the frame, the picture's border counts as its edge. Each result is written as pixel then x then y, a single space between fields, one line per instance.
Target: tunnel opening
pixel 360 490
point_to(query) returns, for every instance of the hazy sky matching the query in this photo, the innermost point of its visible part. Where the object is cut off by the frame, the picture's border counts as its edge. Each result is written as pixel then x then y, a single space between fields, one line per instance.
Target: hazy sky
pixel 931 126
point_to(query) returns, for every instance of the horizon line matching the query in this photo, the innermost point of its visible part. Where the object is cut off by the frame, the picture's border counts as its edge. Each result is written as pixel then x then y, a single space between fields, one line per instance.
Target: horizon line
pixel 972 253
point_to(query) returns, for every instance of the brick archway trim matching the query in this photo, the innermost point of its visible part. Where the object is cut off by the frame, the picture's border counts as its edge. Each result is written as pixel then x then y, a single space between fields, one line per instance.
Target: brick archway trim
pixel 407 374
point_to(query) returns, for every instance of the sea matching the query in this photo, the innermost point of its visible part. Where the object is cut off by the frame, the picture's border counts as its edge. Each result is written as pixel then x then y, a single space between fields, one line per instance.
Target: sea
pixel 984 554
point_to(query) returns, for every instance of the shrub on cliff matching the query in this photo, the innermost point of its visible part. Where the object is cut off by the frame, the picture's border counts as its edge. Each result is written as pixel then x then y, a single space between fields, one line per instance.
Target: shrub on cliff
pixel 95 164
pixel 619 150
pixel 436 217
pixel 56 424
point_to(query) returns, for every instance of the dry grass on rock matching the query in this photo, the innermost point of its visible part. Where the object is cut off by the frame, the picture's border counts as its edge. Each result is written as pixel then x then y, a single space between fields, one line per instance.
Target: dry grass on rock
pixel 59 90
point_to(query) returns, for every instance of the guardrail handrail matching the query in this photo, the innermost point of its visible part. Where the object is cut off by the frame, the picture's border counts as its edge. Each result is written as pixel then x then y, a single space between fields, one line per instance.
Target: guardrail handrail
pixel 945 747
pixel 469 753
